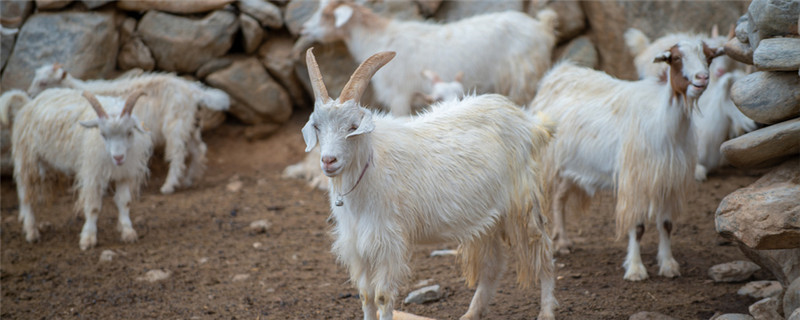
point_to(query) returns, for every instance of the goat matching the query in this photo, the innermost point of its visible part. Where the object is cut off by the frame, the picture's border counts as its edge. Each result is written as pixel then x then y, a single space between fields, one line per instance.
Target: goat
pixel 634 137
pixel 170 109
pixel 47 138
pixel 717 119
pixel 442 90
pixel 444 48
pixel 479 185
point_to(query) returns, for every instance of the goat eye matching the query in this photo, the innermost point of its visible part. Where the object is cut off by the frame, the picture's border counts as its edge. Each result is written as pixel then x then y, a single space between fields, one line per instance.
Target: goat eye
pixel 316 127
pixel 352 128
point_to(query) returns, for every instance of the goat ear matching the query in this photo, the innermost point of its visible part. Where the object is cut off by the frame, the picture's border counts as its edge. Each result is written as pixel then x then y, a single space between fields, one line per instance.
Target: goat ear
pixel 309 135
pixel 366 125
pixel 432 76
pixel 459 76
pixel 90 123
pixel 663 57
pixel 341 15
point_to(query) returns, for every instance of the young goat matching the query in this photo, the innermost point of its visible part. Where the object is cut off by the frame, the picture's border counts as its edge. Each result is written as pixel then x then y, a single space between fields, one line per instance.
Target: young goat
pixel 716 119
pixel 634 137
pixel 526 43
pixel 464 171
pixel 170 110
pixel 47 137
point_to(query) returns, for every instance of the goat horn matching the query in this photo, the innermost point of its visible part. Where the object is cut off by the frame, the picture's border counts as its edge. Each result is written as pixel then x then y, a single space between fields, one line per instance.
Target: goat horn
pixel 98 108
pixel 360 79
pixel 130 102
pixel 320 92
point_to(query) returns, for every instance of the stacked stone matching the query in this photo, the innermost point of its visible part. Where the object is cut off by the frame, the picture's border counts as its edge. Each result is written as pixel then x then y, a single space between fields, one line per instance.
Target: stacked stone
pixel 764 218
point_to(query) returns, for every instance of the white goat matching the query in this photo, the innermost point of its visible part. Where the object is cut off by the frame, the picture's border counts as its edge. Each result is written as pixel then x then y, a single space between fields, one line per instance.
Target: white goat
pixel 471 43
pixel 442 90
pixel 48 138
pixel 10 102
pixel 464 171
pixel 634 137
pixel 717 119
pixel 170 110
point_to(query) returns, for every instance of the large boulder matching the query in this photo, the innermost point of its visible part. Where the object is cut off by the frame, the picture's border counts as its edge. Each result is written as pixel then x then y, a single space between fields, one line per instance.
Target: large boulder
pixel 791 298
pixel 739 51
pixel 276 55
pixel 14 12
pixel 778 54
pixel 183 44
pixel 765 214
pixel 765 146
pixel 172 6
pixel 608 21
pixel 768 96
pixel 784 264
pixel 267 14
pixel 86 43
pixel 135 54
pixel 257 98
pixel 772 18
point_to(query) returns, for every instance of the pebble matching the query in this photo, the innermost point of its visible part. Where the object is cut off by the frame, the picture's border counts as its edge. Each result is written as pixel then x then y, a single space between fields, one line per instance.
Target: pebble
pixel 423 295
pixel 260 226
pixel 733 271
pixel 761 289
pixel 107 255
pixel 155 275
pixel 241 277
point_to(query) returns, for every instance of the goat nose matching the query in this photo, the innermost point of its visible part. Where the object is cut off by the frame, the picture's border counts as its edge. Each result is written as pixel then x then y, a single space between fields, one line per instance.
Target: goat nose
pixel 702 76
pixel 328 160
pixel 118 158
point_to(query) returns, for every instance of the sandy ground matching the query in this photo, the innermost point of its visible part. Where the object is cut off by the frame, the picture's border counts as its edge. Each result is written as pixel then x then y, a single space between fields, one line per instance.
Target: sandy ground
pixel 221 270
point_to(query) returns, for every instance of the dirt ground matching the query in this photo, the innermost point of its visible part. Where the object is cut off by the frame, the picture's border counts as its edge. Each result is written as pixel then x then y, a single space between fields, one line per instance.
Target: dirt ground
pixel 221 270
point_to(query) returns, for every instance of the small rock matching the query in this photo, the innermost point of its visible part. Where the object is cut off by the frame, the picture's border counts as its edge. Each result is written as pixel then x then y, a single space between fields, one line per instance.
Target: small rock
pixel 260 226
pixel 733 271
pixel 446 252
pixel 135 54
pixel 181 7
pixel 107 256
pixel 768 96
pixel 234 186
pixel 742 25
pixel 202 260
pixel 267 14
pixel 212 66
pixel 794 315
pixel 257 245
pixel 732 316
pixel 765 309
pixel 423 295
pixel 791 299
pixel 648 315
pixel 739 51
pixel 252 33
pixel 127 29
pixel 241 277
pixel 777 54
pixel 155 275
pixel 761 289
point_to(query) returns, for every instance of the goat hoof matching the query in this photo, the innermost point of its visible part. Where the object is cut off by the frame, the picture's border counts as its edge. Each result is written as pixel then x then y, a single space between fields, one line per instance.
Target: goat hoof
pixel 32 236
pixel 129 235
pixel 88 242
pixel 563 247
pixel 669 269
pixel 636 272
pixel 546 316
pixel 167 189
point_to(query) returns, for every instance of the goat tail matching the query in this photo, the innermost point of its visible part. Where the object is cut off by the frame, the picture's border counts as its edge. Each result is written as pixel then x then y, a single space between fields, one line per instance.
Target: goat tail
pixel 212 98
pixel 549 18
pixel 11 101
pixel 636 41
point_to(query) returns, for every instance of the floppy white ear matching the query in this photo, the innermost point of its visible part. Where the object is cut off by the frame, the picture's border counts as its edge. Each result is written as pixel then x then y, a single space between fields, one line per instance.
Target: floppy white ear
pixel 90 123
pixel 309 135
pixel 662 57
pixel 366 125
pixel 341 15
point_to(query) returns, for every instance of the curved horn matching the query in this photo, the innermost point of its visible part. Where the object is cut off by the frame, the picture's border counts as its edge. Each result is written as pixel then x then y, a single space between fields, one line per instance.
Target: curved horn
pixel 130 102
pixel 98 108
pixel 360 79
pixel 320 92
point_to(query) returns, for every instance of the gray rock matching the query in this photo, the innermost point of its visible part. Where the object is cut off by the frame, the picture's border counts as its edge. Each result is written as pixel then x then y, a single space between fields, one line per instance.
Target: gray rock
pixel 778 54
pixel 257 98
pixel 739 51
pixel 14 12
pixel 457 10
pixel 732 316
pixel 51 4
pixel 795 315
pixel 127 29
pixel 768 96
pixel 135 54
pixel 86 43
pixel 765 309
pixel 571 20
pixel 276 55
pixel 213 66
pixel 784 264
pixel 423 295
pixel 94 4
pixel 171 37
pixel 791 299
pixel 764 146
pixel 251 32
pixel 761 289
pixel 428 7
pixel 6 46
pixel 608 21
pixel 297 12
pixel 268 14
pixel 772 18
pixel 107 255
pixel 172 6
pixel 648 315
pixel 765 214
pixel 732 271
pixel 742 26
pixel 581 51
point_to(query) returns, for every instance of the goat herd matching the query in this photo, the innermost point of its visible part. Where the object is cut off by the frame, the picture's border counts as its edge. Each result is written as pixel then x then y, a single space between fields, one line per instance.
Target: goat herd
pixel 486 170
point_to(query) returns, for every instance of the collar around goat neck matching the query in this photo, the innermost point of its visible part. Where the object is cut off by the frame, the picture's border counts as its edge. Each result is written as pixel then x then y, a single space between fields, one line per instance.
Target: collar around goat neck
pixel 339 201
